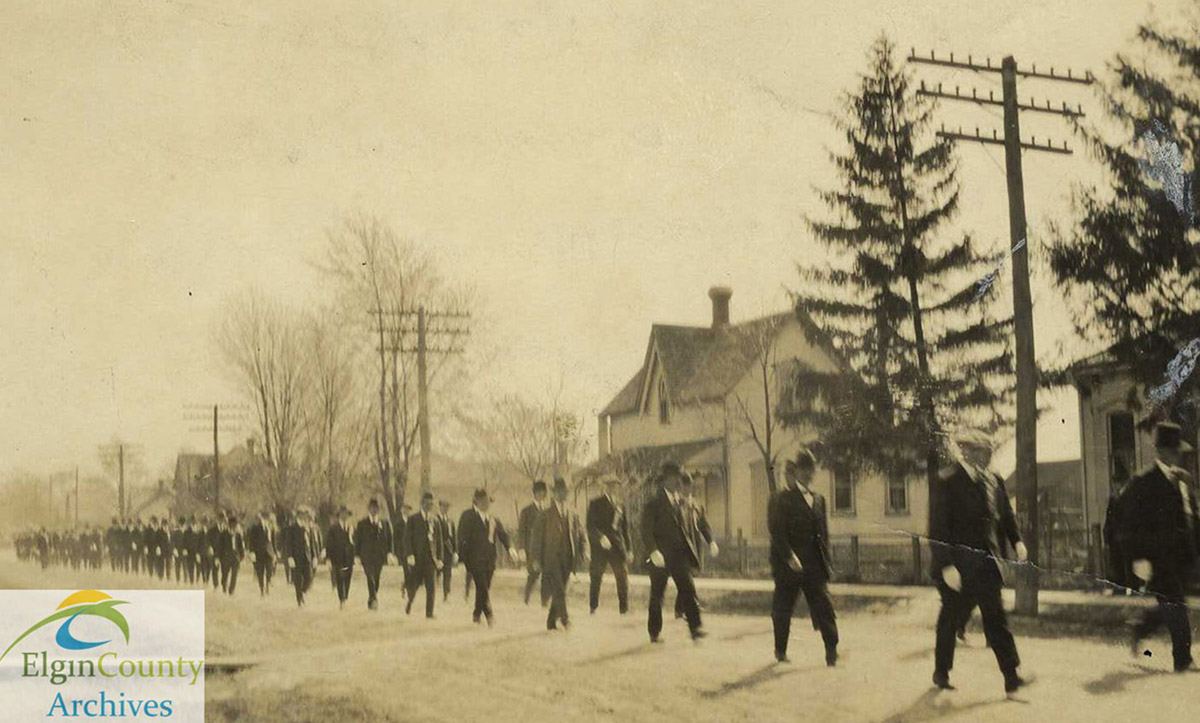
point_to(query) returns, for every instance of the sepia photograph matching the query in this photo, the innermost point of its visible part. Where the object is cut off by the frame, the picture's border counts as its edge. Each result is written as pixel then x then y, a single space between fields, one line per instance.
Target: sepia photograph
pixel 610 361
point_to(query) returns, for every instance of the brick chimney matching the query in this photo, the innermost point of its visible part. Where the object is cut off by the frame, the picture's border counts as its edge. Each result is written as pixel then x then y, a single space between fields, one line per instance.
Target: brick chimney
pixel 720 305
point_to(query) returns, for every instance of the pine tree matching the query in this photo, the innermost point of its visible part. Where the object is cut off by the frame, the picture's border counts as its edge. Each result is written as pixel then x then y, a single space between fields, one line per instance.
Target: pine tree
pixel 1130 263
pixel 900 302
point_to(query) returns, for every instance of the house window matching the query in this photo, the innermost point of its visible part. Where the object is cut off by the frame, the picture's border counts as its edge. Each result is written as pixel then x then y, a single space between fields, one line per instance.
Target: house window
pixel 664 410
pixel 843 492
pixel 1122 449
pixel 897 496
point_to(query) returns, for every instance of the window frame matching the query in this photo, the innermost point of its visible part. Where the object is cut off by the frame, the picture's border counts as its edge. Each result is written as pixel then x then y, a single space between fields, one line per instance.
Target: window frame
pixel 888 509
pixel 852 510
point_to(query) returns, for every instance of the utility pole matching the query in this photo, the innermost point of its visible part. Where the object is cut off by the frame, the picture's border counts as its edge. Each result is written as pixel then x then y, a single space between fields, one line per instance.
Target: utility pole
pixel 77 495
pixel 436 332
pixel 1026 362
pixel 224 416
pixel 115 454
pixel 50 497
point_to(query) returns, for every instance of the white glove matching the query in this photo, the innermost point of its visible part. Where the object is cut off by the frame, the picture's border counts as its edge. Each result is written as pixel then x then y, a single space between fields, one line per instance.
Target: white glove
pixel 1143 570
pixel 454 559
pixel 253 557
pixel 291 562
pixel 133 546
pixel 521 555
pixel 952 578
pixel 412 559
pixel 392 559
pixel 713 550
pixel 657 559
pixel 512 554
pixel 794 563
pixel 604 543
pixel 157 550
pixel 1022 552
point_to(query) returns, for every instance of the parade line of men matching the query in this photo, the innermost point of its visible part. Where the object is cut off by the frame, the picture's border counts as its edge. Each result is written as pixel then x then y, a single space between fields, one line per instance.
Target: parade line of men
pixel 1154 523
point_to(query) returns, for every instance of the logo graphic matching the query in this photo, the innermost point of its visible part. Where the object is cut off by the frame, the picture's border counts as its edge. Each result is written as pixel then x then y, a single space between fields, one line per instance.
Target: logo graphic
pixel 84 602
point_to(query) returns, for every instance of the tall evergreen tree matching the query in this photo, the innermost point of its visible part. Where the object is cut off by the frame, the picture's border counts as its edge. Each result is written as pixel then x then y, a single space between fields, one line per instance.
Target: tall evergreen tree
pixel 1130 263
pixel 901 301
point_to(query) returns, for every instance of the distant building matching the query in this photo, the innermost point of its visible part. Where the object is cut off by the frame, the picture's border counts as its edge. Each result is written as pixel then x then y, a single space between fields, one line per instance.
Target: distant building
pixel 685 403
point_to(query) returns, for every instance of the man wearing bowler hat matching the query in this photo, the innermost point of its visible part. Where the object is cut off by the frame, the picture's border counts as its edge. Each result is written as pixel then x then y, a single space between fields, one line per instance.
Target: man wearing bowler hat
pixel 672 553
pixel 555 545
pixel 526 521
pixel 1159 532
pixel 798 522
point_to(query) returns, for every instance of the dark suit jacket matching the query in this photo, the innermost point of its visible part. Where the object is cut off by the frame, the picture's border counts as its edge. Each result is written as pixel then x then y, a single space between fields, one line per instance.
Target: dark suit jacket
pixel 1153 525
pixel 423 539
pixel 449 537
pixel 260 539
pixel 604 519
pixel 554 543
pixel 796 527
pixel 373 541
pixel 965 529
pixel 475 550
pixel 663 529
pixel 339 547
pixel 298 544
pixel 231 546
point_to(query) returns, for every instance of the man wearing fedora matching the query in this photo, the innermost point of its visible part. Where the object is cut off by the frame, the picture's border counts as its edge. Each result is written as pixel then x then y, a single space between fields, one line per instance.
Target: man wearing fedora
pixel 555 545
pixel 798 522
pixel 672 552
pixel 478 531
pixel 608 537
pixel 373 545
pixel 1159 532
pixel 339 552
pixel 526 521
pixel 423 542
pixel 971 525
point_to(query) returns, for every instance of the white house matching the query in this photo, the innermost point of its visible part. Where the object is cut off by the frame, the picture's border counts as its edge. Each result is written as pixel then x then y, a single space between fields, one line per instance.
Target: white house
pixel 690 401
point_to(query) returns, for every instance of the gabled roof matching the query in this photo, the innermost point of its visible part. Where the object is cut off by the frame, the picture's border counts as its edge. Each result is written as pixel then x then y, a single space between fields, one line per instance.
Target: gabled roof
pixel 699 363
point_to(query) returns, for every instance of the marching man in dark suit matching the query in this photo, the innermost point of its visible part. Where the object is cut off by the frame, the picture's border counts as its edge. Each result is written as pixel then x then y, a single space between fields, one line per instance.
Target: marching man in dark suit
pixel 373 544
pixel 555 545
pixel 339 552
pixel 260 541
pixel 423 542
pixel 672 553
pixel 798 521
pixel 608 536
pixel 696 524
pixel 1159 532
pixel 231 550
pixel 478 531
pixel 971 524
pixel 449 546
pixel 298 545
pixel 526 521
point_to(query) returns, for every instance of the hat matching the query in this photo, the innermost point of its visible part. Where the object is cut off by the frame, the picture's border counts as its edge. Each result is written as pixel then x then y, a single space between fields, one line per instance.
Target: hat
pixel 686 477
pixel 670 468
pixel 343 511
pixel 427 496
pixel 805 460
pixel 482 493
pixel 444 503
pixel 1168 435
pixel 560 484
pixel 539 486
pixel 374 502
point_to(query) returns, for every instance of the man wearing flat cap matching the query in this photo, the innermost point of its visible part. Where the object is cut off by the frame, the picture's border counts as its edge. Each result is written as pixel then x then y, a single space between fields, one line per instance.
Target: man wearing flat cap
pixel 971 526
pixel 608 536
pixel 672 553
pixel 526 521
pixel 798 521
pixel 1159 532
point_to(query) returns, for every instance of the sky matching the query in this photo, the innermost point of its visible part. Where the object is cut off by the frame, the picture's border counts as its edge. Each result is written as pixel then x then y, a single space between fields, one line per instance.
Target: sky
pixel 588 167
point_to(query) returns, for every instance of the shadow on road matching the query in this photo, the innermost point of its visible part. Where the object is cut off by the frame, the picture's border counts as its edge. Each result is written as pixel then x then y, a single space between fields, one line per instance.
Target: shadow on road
pixel 766 674
pixel 636 650
pixel 932 706
pixel 1116 682
pixel 513 638
pixel 919 654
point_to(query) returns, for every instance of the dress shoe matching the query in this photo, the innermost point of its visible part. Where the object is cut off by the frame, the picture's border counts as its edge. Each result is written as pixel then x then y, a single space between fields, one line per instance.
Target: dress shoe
pixel 831 658
pixel 1014 682
pixel 699 634
pixel 1188 667
pixel 942 681
pixel 782 658
pixel 656 639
